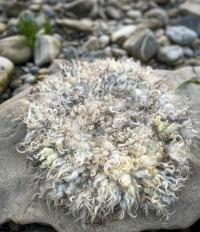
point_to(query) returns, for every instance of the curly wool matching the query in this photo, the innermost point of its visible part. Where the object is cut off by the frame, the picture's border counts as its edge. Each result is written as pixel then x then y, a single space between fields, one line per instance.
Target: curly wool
pixel 107 138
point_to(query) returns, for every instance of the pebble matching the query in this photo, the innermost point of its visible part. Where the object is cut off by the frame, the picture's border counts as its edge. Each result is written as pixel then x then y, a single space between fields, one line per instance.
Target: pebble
pixel 191 22
pixel 84 25
pixel 6 71
pixel 188 52
pixel 122 34
pixel 142 45
pixel 118 52
pixel 134 14
pixel 113 13
pixel 92 44
pixel 2 27
pixel 170 54
pixel 191 8
pixel 181 35
pixel 104 40
pixel 70 53
pixel 78 8
pixel 29 78
pixel 15 49
pixel 46 48
pixel 159 14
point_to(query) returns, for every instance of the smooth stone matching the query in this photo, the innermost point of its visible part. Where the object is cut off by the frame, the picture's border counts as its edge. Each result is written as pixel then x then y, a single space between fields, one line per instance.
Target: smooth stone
pixel 191 22
pixel 104 40
pixel 16 194
pixel 92 44
pixel 70 53
pixel 113 13
pixel 2 27
pixel 118 52
pixel 48 10
pixel 170 54
pixel 15 49
pixel 14 8
pixel 134 14
pixel 159 14
pixel 29 78
pixel 181 35
pixel 142 45
pixel 15 84
pixel 80 8
pixel 188 52
pixel 191 7
pixel 6 71
pixel 46 48
pixel 122 34
pixel 84 25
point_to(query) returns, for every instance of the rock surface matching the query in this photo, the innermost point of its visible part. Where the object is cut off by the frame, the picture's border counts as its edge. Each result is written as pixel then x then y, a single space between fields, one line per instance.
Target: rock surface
pixel 15 49
pixel 16 195
pixel 6 71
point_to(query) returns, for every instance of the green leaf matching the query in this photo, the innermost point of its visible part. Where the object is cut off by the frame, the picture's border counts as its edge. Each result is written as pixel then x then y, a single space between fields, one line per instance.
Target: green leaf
pixel 185 83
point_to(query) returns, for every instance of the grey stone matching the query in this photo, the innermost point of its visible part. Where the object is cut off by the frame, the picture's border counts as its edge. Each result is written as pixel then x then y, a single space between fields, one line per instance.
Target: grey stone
pixel 142 45
pixel 159 14
pixel 29 78
pixel 92 43
pixel 15 49
pixel 191 7
pixel 113 13
pixel 134 14
pixel 188 52
pixel 6 71
pixel 80 8
pixel 16 194
pixel 104 40
pixel 190 21
pixel 84 25
pixel 181 35
pixel 123 33
pixel 14 8
pixel 170 54
pixel 70 53
pixel 46 48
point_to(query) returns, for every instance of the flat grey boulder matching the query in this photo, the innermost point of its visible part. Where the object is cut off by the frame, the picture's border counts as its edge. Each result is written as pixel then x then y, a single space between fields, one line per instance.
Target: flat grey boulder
pixel 16 194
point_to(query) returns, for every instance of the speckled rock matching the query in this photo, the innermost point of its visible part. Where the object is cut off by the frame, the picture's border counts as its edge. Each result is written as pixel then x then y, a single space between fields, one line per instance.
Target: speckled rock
pixel 181 35
pixel 141 45
pixel 15 49
pixel 46 48
pixel 16 201
pixel 6 71
pixel 170 53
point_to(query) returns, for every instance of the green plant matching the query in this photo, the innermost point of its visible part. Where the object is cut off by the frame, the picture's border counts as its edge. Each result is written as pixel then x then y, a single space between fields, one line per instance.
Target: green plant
pixel 185 83
pixel 29 28
pixel 47 26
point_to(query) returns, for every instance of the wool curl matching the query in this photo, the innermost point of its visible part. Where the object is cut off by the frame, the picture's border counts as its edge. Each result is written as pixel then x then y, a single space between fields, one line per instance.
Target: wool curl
pixel 107 138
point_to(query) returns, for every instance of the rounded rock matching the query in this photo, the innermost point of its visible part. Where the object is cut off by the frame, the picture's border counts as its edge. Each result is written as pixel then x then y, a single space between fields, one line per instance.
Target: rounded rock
pixel 181 35
pixel 170 54
pixel 6 71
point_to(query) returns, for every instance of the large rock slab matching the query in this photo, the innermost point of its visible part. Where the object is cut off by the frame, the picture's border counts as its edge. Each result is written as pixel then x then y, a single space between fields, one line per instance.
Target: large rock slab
pixel 16 195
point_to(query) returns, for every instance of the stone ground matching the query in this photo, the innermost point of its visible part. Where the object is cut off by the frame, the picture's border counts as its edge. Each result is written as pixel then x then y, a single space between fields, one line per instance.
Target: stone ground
pixel 163 34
